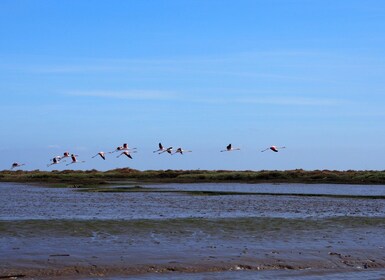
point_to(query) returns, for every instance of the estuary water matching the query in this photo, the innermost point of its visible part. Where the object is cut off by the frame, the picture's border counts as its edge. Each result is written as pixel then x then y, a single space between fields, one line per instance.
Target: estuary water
pixel 193 231
pixel 314 189
pixel 26 202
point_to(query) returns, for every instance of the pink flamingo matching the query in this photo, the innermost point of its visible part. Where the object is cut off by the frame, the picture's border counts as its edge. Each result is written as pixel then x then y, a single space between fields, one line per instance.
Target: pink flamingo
pixel 229 149
pixel 122 148
pixel 161 148
pixel 181 151
pixel 16 164
pixel 273 148
pixel 65 155
pixel 74 160
pixel 101 154
pixel 168 150
pixel 55 160
pixel 126 153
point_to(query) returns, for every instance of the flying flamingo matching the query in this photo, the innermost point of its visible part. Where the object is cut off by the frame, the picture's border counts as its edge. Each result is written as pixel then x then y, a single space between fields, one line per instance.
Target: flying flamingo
pixel 161 148
pixel 74 159
pixel 116 150
pixel 122 148
pixel 55 160
pixel 101 154
pixel 16 164
pixel 181 151
pixel 65 155
pixel 168 150
pixel 229 149
pixel 126 153
pixel 273 148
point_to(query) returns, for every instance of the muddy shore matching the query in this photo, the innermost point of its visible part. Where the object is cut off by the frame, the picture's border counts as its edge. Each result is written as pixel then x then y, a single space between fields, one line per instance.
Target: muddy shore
pixel 104 264
pixel 65 233
pixel 197 246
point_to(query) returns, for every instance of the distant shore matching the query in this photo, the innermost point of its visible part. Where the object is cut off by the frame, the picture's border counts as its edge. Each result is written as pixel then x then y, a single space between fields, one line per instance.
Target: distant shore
pixel 95 177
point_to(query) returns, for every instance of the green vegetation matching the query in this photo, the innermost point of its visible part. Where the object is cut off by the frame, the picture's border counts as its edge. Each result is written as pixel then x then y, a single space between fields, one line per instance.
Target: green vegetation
pixel 93 178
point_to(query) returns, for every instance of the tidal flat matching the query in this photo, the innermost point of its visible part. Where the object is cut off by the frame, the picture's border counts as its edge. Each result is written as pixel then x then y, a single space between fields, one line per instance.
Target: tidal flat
pixel 192 231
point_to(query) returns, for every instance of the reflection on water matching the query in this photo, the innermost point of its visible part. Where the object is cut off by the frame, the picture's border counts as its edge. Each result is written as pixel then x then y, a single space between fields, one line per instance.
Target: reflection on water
pixel 22 202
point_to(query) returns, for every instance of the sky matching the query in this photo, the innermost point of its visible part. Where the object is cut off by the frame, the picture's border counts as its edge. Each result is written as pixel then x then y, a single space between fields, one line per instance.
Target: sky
pixel 87 76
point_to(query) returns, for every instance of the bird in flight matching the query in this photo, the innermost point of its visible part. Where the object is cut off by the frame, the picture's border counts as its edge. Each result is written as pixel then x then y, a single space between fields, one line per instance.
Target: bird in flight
pixel 101 154
pixel 16 164
pixel 127 153
pixel 122 148
pixel 161 148
pixel 74 159
pixel 55 160
pixel 168 150
pixel 65 155
pixel 181 151
pixel 229 149
pixel 273 148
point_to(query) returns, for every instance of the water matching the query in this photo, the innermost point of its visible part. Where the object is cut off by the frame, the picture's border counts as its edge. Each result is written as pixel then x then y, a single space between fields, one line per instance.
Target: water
pixel 18 202
pixel 313 189
pixel 269 275
pixel 174 233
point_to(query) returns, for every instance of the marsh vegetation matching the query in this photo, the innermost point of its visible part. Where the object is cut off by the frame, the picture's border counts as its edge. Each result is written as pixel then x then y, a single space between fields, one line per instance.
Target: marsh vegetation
pixel 127 175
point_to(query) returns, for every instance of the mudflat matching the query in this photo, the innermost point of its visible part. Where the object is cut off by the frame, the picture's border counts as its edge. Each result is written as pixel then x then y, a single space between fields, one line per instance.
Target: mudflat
pixel 67 233
pixel 108 248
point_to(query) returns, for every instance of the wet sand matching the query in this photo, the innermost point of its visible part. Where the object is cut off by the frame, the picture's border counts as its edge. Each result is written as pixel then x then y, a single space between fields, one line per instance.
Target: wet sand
pixel 191 245
pixel 207 245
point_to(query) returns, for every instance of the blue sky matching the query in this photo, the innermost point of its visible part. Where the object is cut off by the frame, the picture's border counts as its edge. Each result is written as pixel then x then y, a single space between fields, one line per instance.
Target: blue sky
pixel 87 76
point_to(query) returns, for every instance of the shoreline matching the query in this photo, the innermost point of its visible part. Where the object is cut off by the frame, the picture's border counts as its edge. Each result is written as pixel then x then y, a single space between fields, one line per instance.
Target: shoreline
pixel 336 262
pixel 52 263
pixel 126 175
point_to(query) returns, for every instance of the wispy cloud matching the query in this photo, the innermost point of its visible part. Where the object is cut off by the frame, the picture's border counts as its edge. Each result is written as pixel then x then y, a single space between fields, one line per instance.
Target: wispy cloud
pixel 62 68
pixel 291 101
pixel 87 65
pixel 73 69
pixel 201 97
pixel 128 94
pixel 271 63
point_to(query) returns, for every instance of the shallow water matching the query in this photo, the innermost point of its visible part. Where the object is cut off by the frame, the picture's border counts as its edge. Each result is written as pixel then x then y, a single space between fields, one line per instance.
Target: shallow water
pixel 21 202
pixel 268 275
pixel 44 227
pixel 327 189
